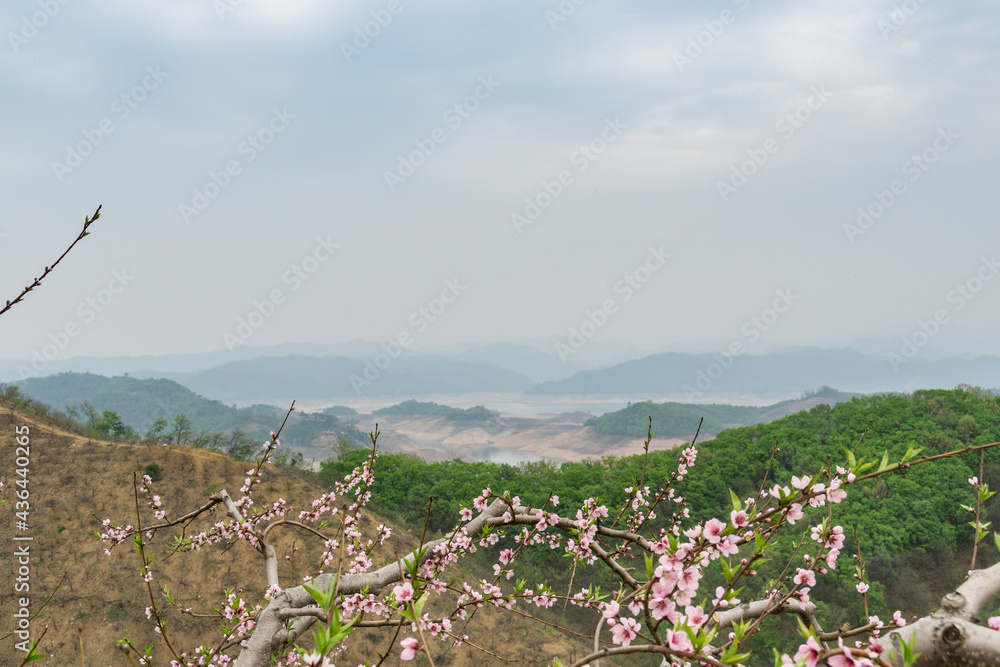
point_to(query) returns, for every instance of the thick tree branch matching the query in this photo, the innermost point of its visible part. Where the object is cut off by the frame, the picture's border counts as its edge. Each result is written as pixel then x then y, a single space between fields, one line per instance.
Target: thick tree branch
pixel 758 608
pixel 981 587
pixel 952 635
pixel 646 648
pixel 270 634
pixel 223 497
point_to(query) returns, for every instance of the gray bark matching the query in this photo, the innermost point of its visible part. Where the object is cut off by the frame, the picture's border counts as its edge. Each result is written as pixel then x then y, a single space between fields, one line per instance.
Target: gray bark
pixel 270 633
pixel 951 636
pixel 954 634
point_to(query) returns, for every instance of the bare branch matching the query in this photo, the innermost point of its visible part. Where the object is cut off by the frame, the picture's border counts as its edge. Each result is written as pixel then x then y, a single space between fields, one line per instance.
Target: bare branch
pixel 758 608
pixel 37 282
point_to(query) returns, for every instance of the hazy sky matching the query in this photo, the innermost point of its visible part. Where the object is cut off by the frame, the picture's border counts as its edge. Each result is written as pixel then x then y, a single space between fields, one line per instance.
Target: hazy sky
pixel 693 165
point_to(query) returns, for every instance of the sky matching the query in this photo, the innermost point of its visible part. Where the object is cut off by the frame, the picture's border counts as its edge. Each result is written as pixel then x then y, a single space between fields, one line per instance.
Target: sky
pixel 679 175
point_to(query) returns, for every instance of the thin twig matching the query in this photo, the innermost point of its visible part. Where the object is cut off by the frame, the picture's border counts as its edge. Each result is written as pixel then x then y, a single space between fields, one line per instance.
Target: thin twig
pixel 37 282
pixel 862 437
pixel 979 505
pixel 767 472
pixel 861 568
pixel 34 646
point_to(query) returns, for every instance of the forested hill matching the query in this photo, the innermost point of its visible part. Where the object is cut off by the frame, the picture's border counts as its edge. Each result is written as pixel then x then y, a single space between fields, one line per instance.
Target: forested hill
pixel 910 524
pixel 139 403
pixel 681 420
pixel 411 407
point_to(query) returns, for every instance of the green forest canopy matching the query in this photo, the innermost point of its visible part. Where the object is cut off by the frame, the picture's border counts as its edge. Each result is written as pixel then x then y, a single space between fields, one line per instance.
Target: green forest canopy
pixel 909 521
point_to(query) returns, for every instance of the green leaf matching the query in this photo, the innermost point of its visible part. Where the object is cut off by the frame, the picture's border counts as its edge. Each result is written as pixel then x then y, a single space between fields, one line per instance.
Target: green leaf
pixel 731 657
pixel 909 657
pixel 996 540
pixel 758 542
pixel 851 461
pixel 414 563
pixel 32 656
pixel 737 503
pixel 737 658
pixel 885 461
pixel 419 604
pixel 727 570
pixel 740 630
pixel 861 467
pixel 911 452
pixel 324 599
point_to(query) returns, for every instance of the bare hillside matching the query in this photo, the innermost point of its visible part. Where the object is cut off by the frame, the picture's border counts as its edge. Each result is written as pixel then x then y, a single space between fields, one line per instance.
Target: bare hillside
pixel 75 483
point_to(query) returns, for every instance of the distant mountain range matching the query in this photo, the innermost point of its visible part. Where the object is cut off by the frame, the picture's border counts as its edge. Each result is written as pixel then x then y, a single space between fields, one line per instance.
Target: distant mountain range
pixel 151 365
pixel 534 364
pixel 322 377
pixel 524 359
pixel 365 368
pixel 788 371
